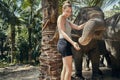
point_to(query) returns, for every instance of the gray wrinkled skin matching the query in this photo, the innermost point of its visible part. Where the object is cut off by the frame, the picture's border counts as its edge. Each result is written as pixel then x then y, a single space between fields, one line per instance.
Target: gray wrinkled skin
pixel 112 40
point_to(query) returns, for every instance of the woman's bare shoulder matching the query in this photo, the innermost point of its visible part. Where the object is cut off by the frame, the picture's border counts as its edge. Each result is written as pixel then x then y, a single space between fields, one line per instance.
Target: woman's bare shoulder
pixel 60 18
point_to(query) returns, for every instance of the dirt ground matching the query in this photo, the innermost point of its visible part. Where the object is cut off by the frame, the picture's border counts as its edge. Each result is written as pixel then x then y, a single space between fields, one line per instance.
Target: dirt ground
pixel 25 72
pixel 28 72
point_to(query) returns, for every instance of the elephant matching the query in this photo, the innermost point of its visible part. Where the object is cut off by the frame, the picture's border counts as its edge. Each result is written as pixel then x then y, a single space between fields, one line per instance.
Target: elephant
pixel 93 17
pixel 107 30
pixel 112 41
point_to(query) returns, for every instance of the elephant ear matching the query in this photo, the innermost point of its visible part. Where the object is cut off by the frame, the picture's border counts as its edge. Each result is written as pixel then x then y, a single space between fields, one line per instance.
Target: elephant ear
pixel 84 16
pixel 81 17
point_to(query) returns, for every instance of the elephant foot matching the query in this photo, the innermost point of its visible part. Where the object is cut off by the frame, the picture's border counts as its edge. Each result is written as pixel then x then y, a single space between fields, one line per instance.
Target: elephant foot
pixel 87 69
pixel 75 77
pixel 101 65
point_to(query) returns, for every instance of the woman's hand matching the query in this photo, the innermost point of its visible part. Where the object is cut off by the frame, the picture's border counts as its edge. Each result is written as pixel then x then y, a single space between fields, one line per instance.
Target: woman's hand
pixel 76 46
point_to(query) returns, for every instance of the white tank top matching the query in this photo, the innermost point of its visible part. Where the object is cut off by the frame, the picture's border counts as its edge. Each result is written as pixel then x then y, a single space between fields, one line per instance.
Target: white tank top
pixel 67 29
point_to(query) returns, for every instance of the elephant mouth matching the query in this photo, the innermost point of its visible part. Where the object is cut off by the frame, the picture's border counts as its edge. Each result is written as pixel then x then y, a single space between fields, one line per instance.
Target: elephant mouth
pixel 84 41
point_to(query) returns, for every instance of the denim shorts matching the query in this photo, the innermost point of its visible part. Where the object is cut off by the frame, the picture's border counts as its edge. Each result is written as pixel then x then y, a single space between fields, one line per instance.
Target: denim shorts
pixel 64 47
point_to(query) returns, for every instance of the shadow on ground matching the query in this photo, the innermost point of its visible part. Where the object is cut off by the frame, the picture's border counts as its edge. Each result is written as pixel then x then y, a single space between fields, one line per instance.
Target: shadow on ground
pixel 107 75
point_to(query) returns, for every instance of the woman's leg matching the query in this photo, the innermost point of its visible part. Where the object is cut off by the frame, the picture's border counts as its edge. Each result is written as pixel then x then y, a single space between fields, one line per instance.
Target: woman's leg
pixel 67 62
pixel 63 72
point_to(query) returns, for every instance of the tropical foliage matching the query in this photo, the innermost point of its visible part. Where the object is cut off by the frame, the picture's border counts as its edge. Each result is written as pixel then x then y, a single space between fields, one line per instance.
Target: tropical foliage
pixel 20 30
pixel 104 4
pixel 113 10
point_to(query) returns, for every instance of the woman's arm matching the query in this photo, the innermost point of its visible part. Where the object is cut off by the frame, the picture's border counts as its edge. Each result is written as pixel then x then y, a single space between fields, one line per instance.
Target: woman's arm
pixel 76 26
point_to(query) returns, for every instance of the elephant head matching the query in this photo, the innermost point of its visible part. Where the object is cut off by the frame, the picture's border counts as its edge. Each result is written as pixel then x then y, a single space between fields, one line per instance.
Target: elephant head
pixel 93 17
pixel 113 28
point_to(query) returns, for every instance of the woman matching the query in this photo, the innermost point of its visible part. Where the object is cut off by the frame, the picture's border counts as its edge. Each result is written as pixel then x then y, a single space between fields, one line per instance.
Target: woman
pixel 65 42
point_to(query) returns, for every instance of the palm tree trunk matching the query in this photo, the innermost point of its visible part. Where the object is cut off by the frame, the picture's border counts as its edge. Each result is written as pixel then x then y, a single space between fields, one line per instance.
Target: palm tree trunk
pixel 50 59
pixel 12 42
pixel 1 56
pixel 30 44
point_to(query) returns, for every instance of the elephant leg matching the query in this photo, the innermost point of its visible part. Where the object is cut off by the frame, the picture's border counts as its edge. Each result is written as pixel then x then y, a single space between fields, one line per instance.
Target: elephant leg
pixel 78 59
pixel 113 47
pixel 115 64
pixel 87 62
pixel 115 67
pixel 95 58
pixel 102 61
pixel 107 56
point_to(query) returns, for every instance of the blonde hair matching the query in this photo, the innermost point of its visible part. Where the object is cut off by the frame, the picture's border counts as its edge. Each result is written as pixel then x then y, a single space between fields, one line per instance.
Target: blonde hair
pixel 66 3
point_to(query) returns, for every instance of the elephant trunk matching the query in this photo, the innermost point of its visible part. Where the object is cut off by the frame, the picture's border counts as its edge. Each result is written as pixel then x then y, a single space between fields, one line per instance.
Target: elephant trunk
pixel 93 28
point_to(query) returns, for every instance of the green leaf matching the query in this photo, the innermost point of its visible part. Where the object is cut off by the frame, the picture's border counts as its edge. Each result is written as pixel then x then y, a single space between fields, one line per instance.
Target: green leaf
pixel 26 4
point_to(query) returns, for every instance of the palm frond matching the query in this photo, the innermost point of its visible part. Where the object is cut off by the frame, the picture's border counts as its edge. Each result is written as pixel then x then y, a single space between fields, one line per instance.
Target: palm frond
pixel 7 15
pixel 108 3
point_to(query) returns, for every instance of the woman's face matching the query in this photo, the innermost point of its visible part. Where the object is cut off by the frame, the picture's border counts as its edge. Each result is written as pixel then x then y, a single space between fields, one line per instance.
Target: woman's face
pixel 67 11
